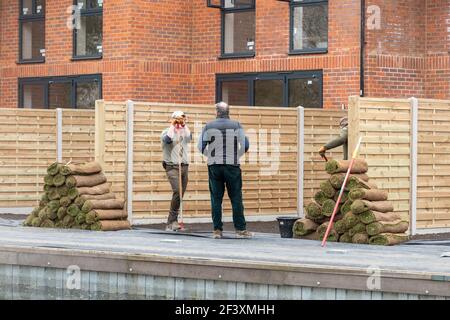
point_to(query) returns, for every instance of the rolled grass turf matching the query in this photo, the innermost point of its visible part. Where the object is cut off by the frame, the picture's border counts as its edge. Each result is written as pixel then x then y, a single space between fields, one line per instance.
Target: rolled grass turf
pixel 328 207
pixel 303 227
pixel 387 227
pixel 350 220
pixel 359 206
pixel 358 228
pixel 345 237
pixel 346 207
pixel 338 166
pixel 388 239
pixel 371 195
pixel 320 197
pixel 327 189
pixel 360 238
pixel 370 216
pixel 110 225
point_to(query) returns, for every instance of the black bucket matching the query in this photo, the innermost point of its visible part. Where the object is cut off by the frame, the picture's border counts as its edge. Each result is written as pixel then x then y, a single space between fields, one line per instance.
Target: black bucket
pixel 286 224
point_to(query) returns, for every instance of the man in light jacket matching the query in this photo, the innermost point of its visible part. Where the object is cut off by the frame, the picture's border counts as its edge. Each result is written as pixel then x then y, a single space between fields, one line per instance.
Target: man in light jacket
pixel 175 142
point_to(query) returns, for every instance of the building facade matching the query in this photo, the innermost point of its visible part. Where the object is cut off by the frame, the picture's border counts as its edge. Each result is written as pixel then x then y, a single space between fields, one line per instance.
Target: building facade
pixel 314 53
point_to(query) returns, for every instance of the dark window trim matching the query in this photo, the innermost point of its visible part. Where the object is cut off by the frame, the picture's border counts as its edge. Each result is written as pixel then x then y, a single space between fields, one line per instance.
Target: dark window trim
pixel 292 6
pixel 85 13
pixel 29 18
pixel 282 75
pixel 223 12
pixel 46 81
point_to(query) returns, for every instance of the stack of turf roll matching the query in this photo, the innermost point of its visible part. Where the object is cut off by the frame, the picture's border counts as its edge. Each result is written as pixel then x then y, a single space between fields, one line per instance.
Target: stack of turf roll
pixel 78 196
pixel 364 215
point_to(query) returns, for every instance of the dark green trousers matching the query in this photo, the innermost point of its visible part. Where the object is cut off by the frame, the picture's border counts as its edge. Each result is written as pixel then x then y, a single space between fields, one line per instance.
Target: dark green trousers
pixel 221 176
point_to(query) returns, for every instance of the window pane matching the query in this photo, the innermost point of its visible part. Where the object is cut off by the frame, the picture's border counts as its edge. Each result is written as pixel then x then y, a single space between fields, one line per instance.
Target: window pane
pixel 90 4
pixel 33 96
pixel 27 7
pixel 235 92
pixel 60 95
pixel 311 27
pixel 238 3
pixel 89 37
pixel 305 93
pixel 40 6
pixel 33 39
pixel 269 93
pixel 87 93
pixel 239 32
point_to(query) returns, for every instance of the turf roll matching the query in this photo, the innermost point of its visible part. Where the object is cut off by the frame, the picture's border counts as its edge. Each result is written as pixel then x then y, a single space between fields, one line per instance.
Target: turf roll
pixel 65 201
pixel 36 222
pixel 359 228
pixel 96 190
pixel 360 238
pixel 102 204
pixel 53 169
pixel 337 179
pixel 109 214
pixel 350 220
pixel 59 180
pixel 29 220
pixel 73 210
pixel 314 211
pixel 335 166
pixel 388 239
pixel 354 182
pixel 371 195
pixel 63 190
pixel 360 206
pixel 62 211
pixel 311 236
pixel 345 237
pixel 85 181
pixel 47 224
pixel 328 207
pixel 44 213
pixel 80 218
pixel 320 197
pixel 87 168
pixel 332 236
pixel 344 197
pixel 106 196
pixel 48 180
pixel 303 227
pixel 68 221
pixel 327 189
pixel 110 225
pixel 79 201
pixel 370 216
pixel 346 207
pixel 340 227
pixel 53 194
pixel 73 193
pixel 387 227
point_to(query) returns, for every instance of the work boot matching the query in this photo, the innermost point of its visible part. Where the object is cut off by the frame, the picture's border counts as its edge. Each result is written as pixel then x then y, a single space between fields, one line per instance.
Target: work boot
pixel 217 234
pixel 244 234
pixel 174 226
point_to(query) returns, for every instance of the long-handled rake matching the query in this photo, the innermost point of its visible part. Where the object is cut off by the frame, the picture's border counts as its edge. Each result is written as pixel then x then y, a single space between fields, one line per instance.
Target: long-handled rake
pixel 330 225
pixel 180 181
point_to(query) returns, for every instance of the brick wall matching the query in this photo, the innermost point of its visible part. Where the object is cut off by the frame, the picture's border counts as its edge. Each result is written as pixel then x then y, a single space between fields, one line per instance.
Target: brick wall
pixel 165 50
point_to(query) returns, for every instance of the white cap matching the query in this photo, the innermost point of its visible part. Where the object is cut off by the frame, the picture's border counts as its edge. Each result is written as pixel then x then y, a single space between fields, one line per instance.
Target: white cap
pixel 178 114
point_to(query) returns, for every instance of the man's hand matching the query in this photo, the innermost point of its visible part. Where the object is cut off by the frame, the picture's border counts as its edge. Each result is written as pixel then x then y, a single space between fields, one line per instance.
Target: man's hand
pixel 322 151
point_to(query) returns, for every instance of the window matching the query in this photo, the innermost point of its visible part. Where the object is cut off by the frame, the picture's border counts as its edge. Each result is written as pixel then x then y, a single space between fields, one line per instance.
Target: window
pixel 238 27
pixel 283 89
pixel 309 26
pixel 88 29
pixel 60 92
pixel 32 31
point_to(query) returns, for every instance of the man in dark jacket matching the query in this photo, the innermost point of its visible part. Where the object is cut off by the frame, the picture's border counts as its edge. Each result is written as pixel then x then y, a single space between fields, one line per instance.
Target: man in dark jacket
pixel 342 140
pixel 224 142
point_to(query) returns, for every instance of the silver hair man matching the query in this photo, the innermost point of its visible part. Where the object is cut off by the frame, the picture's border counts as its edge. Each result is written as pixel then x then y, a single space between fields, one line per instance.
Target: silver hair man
pixel 222 109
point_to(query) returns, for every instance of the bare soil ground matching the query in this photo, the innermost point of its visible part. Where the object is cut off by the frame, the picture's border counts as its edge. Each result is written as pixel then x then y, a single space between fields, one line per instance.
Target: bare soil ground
pixel 263 227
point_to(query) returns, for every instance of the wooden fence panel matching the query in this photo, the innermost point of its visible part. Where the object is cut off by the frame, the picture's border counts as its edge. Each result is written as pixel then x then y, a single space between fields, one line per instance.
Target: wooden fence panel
pixel 27 147
pixel 78 135
pixel 320 127
pixel 385 125
pixel 262 194
pixel 433 181
pixel 28 144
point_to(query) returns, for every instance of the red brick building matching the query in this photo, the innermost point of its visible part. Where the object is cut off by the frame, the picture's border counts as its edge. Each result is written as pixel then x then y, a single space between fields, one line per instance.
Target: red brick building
pixel 263 52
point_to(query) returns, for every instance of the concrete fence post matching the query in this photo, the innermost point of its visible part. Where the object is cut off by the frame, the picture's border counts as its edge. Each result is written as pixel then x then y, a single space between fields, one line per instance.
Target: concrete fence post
pixel 129 166
pixel 301 158
pixel 59 141
pixel 100 132
pixel 414 102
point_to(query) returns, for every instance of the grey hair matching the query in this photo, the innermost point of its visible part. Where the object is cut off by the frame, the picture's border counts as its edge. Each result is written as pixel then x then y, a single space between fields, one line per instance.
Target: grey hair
pixel 222 109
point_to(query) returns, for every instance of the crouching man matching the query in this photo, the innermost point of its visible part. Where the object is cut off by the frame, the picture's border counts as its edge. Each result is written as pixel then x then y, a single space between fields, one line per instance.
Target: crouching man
pixel 223 141
pixel 175 142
